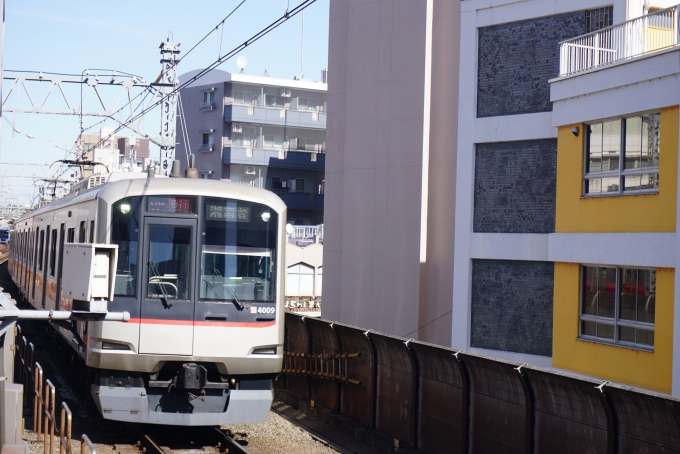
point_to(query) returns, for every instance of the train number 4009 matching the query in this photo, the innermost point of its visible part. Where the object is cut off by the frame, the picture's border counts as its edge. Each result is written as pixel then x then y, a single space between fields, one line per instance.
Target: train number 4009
pixel 262 310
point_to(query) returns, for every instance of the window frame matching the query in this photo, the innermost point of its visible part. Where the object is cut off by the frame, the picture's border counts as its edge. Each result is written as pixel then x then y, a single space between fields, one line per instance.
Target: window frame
pixel 622 172
pixel 615 321
pixel 209 136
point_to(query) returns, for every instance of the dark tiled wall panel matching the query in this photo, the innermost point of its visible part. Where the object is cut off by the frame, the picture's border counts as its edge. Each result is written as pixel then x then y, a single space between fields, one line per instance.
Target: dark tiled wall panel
pixel 515 187
pixel 512 306
pixel 516 60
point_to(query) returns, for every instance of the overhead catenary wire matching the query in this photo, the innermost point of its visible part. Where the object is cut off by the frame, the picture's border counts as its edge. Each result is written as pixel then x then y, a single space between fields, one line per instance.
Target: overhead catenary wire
pixel 265 31
pixel 212 30
pixel 221 23
pixel 183 127
pixel 428 323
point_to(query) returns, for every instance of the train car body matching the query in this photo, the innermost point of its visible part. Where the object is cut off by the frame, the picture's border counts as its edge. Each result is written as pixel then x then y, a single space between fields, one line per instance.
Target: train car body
pixel 199 269
pixel 4 236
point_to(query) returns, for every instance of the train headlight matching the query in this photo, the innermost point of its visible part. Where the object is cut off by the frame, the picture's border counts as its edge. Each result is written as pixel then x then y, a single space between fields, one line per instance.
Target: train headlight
pixel 265 216
pixel 125 208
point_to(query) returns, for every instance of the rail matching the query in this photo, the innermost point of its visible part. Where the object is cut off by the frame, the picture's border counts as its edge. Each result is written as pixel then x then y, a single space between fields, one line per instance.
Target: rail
pixel 643 35
pixel 439 400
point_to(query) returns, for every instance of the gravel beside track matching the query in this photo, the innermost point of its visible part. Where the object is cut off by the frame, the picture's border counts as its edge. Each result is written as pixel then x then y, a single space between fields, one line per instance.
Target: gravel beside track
pixel 277 436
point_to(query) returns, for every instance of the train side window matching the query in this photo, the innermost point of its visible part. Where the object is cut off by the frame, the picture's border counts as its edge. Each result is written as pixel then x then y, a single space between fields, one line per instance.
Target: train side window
pixel 53 252
pixel 71 236
pixel 91 232
pixel 81 234
pixel 41 250
pixel 125 233
pixel 47 247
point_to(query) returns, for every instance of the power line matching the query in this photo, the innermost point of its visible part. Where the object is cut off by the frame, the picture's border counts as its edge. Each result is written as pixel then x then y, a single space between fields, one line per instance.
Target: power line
pixel 431 321
pixel 212 30
pixel 114 72
pixel 265 31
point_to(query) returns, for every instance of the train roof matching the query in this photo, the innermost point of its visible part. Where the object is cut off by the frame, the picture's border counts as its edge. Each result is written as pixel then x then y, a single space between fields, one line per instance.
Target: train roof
pixel 116 190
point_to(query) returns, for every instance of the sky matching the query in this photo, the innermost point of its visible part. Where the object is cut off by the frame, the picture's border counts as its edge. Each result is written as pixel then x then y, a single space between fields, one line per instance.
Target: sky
pixel 70 36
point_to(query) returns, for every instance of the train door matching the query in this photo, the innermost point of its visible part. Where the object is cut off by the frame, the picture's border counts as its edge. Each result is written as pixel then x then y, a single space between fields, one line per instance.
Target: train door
pixel 60 262
pixel 168 280
pixel 45 265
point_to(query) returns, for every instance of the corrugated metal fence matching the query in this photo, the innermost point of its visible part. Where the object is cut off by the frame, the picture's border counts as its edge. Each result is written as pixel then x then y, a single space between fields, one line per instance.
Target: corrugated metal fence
pixel 438 400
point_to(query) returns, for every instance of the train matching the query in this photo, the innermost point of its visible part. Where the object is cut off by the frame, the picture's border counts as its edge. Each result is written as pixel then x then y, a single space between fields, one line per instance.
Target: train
pixel 199 268
pixel 4 235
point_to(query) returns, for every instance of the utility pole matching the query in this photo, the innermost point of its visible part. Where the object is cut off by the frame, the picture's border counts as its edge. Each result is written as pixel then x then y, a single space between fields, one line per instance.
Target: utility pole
pixel 169 60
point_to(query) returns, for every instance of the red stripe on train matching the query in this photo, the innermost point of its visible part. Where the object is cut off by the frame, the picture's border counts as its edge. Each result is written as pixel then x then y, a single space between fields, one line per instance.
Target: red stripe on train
pixel 156 321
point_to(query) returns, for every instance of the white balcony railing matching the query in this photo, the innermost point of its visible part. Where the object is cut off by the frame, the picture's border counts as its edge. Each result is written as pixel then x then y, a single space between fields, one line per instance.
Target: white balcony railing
pixel 640 36
pixel 302 232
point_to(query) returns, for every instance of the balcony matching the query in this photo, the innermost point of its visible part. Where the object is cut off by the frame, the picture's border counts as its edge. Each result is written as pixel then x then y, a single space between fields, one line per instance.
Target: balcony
pixel 206 147
pixel 301 200
pixel 207 106
pixel 268 157
pixel 634 38
pixel 274 116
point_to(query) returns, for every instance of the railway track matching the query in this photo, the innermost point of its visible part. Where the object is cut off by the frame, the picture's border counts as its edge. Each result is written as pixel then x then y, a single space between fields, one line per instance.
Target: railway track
pixel 182 440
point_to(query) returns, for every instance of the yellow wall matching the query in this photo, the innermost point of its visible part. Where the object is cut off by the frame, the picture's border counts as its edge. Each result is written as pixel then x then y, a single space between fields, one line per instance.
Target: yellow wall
pixel 651 370
pixel 629 213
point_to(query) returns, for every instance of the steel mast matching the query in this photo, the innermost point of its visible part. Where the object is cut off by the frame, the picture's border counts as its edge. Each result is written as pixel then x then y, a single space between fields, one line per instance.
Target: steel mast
pixel 169 60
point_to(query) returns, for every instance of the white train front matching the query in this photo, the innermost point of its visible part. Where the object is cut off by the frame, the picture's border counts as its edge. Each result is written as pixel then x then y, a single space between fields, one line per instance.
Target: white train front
pixel 200 271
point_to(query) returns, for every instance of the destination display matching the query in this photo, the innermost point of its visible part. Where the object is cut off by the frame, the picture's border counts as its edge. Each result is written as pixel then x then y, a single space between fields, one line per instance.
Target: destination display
pixel 178 205
pixel 230 212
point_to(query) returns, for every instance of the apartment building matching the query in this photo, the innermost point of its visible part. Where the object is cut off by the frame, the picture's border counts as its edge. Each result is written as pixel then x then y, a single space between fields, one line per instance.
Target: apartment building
pixel 392 99
pixel 558 170
pixel 615 246
pixel 116 154
pixel 261 131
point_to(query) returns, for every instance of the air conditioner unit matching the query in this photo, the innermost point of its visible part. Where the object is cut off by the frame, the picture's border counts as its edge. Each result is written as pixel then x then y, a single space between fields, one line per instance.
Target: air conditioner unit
pixel 236 127
pixel 250 170
pixel 285 92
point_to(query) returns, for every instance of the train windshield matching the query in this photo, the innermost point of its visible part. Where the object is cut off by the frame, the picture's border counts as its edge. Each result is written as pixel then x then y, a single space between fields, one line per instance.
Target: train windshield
pixel 238 251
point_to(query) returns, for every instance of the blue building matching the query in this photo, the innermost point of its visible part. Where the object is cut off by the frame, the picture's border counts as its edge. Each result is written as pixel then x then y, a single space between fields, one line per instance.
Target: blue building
pixel 260 131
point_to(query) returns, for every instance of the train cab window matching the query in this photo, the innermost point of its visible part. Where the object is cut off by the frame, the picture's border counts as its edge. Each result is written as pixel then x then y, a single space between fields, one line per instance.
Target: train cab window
pixel 169 262
pixel 91 232
pixel 124 232
pixel 238 251
pixel 71 235
pixel 53 252
pixel 81 234
pixel 41 250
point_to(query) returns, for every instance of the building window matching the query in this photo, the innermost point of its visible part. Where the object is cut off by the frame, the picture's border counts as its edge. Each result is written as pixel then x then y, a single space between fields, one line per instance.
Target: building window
pixel 273 142
pixel 207 141
pixel 243 136
pixel 274 101
pixel 206 175
pixel 244 98
pixel 618 305
pixel 599 18
pixel 307 104
pixel 300 280
pixel 622 156
pixel 208 100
